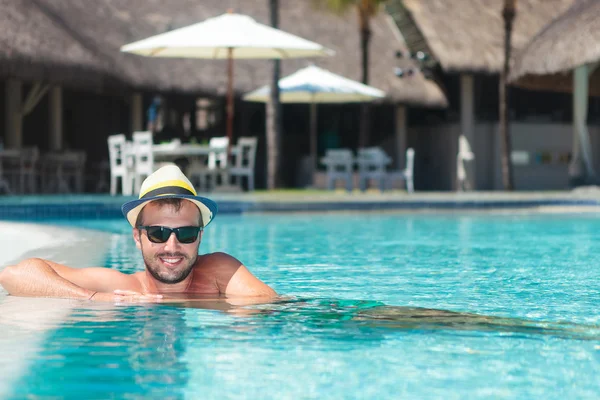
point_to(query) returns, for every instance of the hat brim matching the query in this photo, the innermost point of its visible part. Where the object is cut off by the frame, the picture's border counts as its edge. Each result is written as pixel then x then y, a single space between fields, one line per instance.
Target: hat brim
pixel 207 207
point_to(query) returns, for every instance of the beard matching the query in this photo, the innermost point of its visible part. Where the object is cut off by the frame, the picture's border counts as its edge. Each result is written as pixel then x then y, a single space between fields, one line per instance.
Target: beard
pixel 169 276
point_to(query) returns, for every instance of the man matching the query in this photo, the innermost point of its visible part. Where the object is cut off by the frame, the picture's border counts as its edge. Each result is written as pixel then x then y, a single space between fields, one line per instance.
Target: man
pixel 168 221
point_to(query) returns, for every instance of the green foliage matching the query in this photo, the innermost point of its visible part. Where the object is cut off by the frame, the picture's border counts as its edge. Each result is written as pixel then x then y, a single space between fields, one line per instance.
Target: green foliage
pixel 367 7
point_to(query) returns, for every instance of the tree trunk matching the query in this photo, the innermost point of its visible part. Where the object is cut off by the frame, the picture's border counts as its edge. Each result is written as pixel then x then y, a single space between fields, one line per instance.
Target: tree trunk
pixel 274 113
pixel 508 14
pixel 365 37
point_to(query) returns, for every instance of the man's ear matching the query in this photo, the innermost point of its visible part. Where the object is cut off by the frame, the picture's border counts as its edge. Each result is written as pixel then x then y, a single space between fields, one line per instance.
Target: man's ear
pixel 136 237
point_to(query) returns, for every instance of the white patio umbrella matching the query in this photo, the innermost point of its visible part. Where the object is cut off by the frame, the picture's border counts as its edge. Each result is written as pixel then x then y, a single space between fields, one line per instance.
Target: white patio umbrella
pixel 228 36
pixel 316 85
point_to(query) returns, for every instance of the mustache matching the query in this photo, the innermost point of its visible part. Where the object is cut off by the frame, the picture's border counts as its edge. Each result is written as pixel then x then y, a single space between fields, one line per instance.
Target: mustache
pixel 170 255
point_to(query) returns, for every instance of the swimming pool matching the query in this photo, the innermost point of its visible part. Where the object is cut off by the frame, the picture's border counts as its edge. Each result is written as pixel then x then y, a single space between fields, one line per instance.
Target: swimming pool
pixel 350 330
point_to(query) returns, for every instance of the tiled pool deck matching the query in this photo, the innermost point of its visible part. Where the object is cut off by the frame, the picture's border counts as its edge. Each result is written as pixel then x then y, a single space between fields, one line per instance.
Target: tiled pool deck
pixel 106 206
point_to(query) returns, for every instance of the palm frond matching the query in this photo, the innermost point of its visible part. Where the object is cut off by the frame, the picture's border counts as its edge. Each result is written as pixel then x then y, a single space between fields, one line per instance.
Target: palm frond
pixel 366 7
pixel 335 6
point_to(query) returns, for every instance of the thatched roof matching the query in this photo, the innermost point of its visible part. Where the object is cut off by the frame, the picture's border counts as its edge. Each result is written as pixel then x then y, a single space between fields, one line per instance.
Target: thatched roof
pixel 103 26
pixel 571 40
pixel 468 35
pixel 35 46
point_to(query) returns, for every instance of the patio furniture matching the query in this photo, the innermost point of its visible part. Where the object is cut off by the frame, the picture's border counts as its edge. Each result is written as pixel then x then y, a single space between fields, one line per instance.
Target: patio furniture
pixel 406 174
pixel 245 155
pixel 119 165
pixel 372 163
pixel 4 186
pixel 464 155
pixel 338 163
pixel 20 169
pixel 208 172
pixel 217 159
pixel 29 168
pixel 63 171
pixel 314 85
pixel 143 158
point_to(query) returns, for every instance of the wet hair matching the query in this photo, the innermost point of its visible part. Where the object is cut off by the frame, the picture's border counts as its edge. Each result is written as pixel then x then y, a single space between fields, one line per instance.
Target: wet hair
pixel 175 203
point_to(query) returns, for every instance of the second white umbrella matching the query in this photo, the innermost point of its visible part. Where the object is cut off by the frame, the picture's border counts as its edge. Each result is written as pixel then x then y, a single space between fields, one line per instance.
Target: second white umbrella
pixel 316 85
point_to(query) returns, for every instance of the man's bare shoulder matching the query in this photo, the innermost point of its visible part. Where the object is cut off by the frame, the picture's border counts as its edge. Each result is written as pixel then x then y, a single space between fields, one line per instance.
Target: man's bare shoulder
pixel 218 260
pixel 218 268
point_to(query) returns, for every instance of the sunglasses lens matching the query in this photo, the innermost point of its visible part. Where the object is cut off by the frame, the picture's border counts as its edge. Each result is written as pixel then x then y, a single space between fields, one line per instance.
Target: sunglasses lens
pixel 158 234
pixel 187 234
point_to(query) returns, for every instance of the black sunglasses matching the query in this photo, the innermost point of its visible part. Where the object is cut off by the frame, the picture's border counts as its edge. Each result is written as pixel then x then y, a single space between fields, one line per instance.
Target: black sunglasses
pixel 160 234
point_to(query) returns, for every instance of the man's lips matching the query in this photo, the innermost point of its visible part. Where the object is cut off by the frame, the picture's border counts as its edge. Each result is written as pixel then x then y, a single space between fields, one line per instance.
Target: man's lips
pixel 171 260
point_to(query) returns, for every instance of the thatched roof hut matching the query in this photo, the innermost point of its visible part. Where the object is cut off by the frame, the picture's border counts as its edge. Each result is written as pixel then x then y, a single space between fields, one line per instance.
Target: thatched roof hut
pixel 467 35
pixel 571 40
pixel 35 46
pixel 103 26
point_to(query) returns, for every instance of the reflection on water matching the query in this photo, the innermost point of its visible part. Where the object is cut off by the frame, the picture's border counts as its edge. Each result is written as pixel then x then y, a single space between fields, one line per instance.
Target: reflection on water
pixel 534 269
pixel 143 350
pixel 98 352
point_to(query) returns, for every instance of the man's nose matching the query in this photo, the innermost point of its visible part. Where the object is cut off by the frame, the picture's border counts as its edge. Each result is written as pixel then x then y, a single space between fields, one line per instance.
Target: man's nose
pixel 172 242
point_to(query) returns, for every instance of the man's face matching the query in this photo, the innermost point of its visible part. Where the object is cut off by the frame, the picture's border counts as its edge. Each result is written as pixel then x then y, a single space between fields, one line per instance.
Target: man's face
pixel 172 261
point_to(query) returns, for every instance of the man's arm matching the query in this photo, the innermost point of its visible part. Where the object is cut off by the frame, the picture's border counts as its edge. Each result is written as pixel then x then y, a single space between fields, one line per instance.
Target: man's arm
pixel 35 277
pixel 234 279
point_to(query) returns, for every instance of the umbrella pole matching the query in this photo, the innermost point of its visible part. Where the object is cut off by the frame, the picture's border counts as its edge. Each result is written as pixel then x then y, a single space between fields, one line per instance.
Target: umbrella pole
pixel 313 135
pixel 229 96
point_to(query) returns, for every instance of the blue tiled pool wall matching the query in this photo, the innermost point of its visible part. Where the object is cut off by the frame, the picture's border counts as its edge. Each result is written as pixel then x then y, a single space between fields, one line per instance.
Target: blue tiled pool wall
pixel 27 210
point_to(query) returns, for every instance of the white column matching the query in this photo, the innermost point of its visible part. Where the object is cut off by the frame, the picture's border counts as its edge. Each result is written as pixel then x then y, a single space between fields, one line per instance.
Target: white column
pixel 56 118
pixel 581 139
pixel 137 112
pixel 14 120
pixel 467 123
pixel 401 136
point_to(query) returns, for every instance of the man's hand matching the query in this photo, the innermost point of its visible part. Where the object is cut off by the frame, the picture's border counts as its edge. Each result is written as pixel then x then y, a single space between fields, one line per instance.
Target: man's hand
pixel 126 296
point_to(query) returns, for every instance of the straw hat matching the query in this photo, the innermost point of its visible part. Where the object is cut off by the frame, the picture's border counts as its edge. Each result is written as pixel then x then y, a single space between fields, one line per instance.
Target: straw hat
pixel 168 182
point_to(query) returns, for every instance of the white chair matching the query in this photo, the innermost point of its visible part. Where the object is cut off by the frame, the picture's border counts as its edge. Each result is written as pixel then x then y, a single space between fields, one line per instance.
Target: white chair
pixel 464 154
pixel 29 169
pixel 4 186
pixel 72 171
pixel 143 164
pixel 206 175
pixel 120 167
pixel 372 163
pixel 21 168
pixel 63 171
pixel 339 166
pixel 218 158
pixel 245 155
pixel 407 174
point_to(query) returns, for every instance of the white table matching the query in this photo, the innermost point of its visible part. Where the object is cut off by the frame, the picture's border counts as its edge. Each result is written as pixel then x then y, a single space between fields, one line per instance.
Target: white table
pixel 170 151
pixel 60 168
pixel 196 154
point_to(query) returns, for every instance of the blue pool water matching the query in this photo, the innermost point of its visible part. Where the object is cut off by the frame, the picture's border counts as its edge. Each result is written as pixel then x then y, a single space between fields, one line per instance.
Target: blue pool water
pixel 351 329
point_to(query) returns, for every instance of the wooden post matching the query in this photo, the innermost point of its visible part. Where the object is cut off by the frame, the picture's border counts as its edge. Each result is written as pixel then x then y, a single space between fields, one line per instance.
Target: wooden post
pixel 14 120
pixel 467 124
pixel 313 136
pixel 580 132
pixel 401 136
pixel 230 96
pixel 56 118
pixel 274 121
pixel 508 14
pixel 137 112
